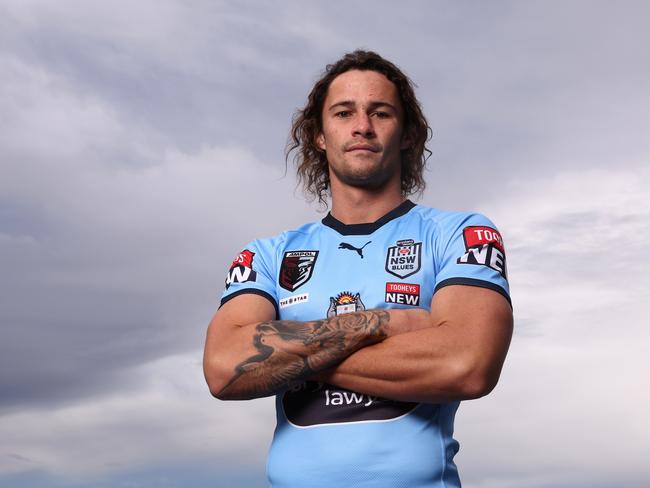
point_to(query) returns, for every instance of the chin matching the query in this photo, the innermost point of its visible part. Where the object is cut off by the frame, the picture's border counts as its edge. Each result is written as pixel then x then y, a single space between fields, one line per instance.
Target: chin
pixel 365 174
pixel 371 181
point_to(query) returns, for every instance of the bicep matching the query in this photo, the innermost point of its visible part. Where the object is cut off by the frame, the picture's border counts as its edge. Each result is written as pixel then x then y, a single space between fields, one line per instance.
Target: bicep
pixel 245 309
pixel 482 310
pixel 242 311
pixel 229 333
pixel 480 321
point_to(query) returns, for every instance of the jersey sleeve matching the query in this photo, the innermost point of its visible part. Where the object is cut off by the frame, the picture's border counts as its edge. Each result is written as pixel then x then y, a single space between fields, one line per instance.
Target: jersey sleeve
pixel 470 251
pixel 253 271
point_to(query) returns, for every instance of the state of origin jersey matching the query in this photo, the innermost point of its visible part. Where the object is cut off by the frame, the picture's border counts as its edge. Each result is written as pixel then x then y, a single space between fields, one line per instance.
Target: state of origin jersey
pixel 331 437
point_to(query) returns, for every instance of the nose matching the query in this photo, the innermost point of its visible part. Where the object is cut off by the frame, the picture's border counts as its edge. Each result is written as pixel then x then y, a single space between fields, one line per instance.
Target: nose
pixel 363 126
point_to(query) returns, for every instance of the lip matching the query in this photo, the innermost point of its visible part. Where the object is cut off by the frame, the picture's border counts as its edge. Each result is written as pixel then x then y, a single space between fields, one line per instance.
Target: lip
pixel 362 147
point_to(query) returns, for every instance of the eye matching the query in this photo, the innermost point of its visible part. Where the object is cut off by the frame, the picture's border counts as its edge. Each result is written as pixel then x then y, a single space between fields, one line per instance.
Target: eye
pixel 381 115
pixel 343 114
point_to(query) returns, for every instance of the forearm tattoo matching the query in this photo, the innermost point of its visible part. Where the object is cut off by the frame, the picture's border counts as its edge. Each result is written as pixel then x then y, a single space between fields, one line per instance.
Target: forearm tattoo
pixel 289 351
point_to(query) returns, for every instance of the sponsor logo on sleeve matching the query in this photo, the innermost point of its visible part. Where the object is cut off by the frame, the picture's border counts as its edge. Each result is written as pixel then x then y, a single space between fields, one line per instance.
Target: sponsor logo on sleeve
pixel 484 246
pixel 241 269
pixel 296 268
pixel 404 258
pixel 294 300
pixel 345 302
pixel 403 293
pixel 311 403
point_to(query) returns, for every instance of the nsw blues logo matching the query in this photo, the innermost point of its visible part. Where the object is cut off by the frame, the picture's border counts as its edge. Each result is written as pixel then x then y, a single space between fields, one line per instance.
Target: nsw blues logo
pixel 404 258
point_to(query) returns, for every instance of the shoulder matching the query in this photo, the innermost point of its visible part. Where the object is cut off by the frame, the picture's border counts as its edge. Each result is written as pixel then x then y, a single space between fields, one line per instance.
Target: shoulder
pixel 274 244
pixel 449 221
pixel 304 231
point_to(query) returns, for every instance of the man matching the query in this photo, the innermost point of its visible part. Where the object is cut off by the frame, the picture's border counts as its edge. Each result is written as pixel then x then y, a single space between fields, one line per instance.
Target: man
pixel 371 325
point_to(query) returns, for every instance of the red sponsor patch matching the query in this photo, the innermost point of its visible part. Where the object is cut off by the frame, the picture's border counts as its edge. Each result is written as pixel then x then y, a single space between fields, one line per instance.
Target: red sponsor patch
pixel 245 258
pixel 403 293
pixel 478 235
pixel 403 288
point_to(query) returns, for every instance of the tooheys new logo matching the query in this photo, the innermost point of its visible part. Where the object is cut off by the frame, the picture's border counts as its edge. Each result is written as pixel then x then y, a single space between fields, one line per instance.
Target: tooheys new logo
pixel 241 269
pixel 484 246
pixel 403 293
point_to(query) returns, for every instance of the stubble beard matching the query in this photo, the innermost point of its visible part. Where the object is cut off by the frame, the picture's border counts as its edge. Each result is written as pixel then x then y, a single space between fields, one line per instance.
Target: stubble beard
pixel 371 177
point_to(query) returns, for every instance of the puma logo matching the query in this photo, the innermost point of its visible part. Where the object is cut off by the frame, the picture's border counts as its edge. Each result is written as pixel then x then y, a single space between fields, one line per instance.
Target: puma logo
pixel 350 247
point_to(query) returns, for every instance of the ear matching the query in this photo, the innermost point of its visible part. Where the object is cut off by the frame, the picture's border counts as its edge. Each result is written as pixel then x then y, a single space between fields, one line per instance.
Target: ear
pixel 320 141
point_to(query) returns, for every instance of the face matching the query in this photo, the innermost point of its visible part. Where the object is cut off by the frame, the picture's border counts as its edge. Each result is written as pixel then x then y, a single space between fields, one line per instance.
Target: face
pixel 362 130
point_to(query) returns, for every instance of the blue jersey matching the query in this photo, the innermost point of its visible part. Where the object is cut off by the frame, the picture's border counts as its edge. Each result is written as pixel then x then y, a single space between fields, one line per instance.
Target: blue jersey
pixel 327 436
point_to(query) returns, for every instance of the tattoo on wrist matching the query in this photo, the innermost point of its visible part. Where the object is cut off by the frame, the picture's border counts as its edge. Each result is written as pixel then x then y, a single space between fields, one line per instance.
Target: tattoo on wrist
pixel 289 351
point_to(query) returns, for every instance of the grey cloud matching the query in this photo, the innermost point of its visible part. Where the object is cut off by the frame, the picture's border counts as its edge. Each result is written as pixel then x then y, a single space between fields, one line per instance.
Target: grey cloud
pixel 124 191
pixel 585 242
pixel 183 81
pixel 577 288
pixel 113 287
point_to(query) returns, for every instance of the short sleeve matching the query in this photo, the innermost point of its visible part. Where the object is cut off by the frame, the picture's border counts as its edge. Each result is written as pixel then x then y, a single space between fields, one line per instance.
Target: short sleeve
pixel 252 271
pixel 470 251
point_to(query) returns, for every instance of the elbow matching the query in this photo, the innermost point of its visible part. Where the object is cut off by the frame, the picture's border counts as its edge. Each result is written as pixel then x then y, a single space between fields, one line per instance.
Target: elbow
pixel 220 391
pixel 222 385
pixel 216 390
pixel 223 391
pixel 477 386
pixel 216 379
pixel 475 381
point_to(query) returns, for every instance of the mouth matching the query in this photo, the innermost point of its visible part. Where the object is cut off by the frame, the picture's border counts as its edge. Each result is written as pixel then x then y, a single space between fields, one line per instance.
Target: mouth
pixel 362 148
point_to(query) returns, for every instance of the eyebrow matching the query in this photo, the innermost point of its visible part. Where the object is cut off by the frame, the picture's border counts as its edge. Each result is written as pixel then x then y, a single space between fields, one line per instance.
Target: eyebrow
pixel 371 105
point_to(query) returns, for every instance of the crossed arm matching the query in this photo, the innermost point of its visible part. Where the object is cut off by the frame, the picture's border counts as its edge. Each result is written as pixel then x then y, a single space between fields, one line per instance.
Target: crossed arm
pixel 454 352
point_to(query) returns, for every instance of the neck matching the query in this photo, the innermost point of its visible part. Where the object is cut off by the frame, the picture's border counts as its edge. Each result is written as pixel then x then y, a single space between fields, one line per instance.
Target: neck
pixel 352 205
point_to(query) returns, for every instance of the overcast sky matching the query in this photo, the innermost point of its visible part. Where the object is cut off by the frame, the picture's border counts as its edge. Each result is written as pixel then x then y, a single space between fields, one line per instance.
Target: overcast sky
pixel 141 145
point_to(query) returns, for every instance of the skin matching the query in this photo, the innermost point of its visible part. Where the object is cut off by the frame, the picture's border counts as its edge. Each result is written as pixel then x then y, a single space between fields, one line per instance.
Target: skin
pixel 454 352
pixel 247 359
pixel 362 136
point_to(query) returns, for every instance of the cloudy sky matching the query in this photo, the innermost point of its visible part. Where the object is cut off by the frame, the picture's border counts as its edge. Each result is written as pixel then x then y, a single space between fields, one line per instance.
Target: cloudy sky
pixel 141 145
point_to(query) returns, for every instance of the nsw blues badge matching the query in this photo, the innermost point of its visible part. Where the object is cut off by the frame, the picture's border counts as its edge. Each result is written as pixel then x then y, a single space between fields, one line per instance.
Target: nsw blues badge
pixel 404 258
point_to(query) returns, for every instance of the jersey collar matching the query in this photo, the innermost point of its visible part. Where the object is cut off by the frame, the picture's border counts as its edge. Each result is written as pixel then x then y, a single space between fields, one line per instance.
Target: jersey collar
pixel 365 229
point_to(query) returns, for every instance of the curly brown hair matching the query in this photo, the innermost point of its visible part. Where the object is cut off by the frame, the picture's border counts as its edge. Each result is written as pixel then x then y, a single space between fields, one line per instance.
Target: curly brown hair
pixel 311 161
